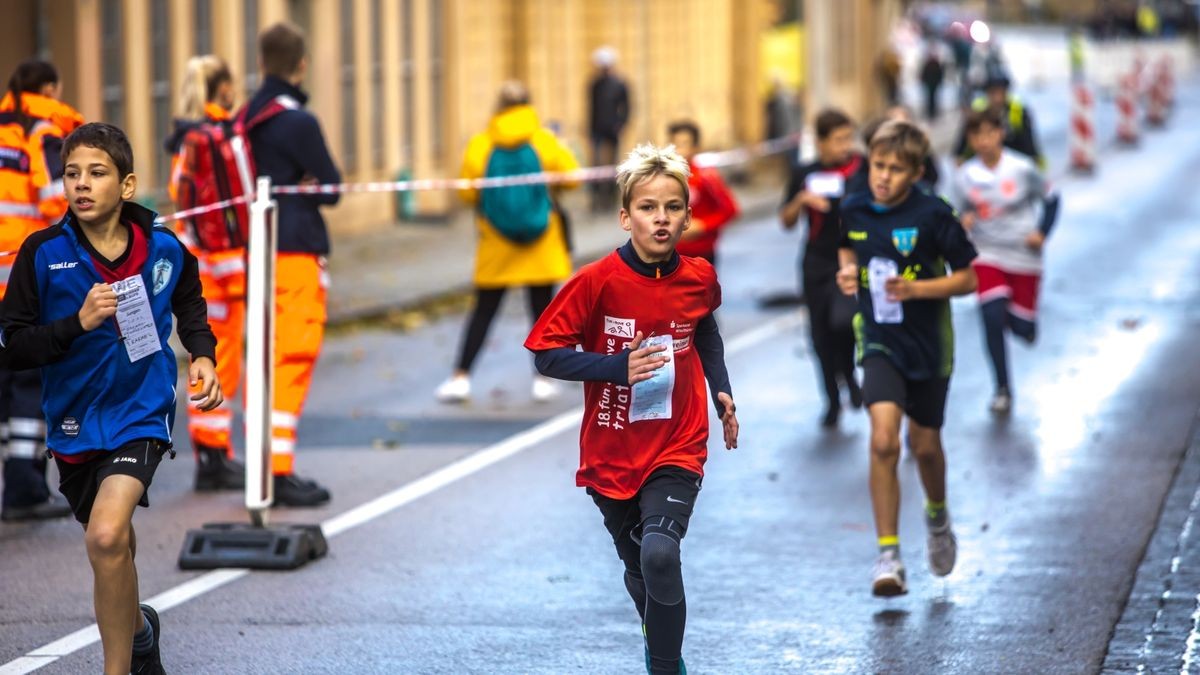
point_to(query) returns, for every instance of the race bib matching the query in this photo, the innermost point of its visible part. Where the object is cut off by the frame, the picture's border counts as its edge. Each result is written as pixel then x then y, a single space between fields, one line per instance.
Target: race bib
pixel 826 184
pixel 879 270
pixel 652 397
pixel 135 318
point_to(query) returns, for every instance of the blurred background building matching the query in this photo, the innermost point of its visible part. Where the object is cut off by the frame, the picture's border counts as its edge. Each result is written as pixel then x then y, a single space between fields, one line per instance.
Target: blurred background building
pixel 400 85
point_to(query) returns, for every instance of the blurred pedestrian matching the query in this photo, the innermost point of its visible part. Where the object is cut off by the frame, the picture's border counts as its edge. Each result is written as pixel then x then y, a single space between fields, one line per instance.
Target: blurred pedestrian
pixel 288 146
pixel 712 202
pixel 33 123
pixel 207 99
pixel 896 245
pixel 815 190
pixel 933 73
pixel 521 241
pixel 608 100
pixel 998 193
pixel 887 70
pixel 1018 120
pixel 644 436
pixel 110 376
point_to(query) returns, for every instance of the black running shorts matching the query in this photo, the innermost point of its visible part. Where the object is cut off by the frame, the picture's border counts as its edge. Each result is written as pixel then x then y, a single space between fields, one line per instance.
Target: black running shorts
pixel 80 483
pixel 924 401
pixel 669 491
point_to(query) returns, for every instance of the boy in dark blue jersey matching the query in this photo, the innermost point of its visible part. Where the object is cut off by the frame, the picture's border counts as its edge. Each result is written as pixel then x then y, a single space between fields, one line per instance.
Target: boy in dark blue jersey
pixel 896 244
pixel 90 302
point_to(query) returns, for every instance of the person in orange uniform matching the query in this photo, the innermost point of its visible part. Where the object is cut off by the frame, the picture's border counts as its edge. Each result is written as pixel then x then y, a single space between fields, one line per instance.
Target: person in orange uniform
pixel 713 205
pixel 33 123
pixel 290 148
pixel 207 97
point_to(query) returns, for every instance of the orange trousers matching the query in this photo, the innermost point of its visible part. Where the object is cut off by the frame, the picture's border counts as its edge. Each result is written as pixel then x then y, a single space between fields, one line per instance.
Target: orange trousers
pixel 223 277
pixel 301 281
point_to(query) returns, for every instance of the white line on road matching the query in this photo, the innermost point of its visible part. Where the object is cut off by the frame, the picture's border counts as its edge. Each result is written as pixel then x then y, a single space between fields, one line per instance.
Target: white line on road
pixel 364 513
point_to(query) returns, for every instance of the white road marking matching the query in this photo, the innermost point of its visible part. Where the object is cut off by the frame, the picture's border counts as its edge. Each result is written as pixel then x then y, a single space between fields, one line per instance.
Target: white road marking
pixel 382 505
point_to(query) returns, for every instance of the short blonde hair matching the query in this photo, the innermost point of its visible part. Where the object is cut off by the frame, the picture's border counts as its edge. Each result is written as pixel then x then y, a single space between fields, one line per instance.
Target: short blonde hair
pixel 647 161
pixel 905 139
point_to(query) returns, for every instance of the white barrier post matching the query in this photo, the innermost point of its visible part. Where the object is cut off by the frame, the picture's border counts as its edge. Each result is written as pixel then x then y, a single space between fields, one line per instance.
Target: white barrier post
pixel 260 352
pixel 1127 109
pixel 1083 129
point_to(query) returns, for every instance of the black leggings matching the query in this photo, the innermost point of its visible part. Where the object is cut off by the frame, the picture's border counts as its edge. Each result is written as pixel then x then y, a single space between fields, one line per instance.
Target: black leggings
pixel 830 319
pixel 487 303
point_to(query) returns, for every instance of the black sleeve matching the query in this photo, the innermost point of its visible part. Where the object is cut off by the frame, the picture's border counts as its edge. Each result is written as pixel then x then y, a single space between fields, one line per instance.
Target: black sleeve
pixel 1050 205
pixel 1029 140
pixel 843 231
pixel 311 153
pixel 961 150
pixel 795 184
pixel 24 341
pixel 952 240
pixel 711 349
pixel 191 311
pixel 565 363
pixel 931 171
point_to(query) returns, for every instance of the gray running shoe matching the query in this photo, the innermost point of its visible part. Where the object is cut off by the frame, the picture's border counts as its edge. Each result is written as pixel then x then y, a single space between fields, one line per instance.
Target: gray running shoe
pixel 1001 403
pixel 942 546
pixel 889 576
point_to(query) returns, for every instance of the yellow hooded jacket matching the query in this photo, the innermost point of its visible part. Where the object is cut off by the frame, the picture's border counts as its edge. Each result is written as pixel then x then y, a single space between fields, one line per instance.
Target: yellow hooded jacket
pixel 499 262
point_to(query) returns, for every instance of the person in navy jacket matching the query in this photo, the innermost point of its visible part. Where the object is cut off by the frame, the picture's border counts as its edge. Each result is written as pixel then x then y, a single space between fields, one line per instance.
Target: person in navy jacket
pixel 90 302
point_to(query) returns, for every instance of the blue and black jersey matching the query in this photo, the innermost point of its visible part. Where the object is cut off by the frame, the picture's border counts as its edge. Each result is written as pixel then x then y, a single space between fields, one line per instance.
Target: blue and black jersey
pixel 922 236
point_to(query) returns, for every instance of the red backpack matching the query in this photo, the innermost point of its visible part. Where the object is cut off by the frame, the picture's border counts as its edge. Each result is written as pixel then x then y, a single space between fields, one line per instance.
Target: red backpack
pixel 216 165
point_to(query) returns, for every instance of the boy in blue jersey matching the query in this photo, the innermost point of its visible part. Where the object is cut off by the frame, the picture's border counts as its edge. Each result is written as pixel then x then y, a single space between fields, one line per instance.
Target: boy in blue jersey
pixel 896 244
pixel 90 302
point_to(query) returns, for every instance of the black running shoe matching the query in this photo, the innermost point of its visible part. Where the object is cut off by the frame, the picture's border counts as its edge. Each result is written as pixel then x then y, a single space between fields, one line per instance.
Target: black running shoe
pixel 832 413
pixel 149 664
pixel 216 471
pixel 53 507
pixel 296 491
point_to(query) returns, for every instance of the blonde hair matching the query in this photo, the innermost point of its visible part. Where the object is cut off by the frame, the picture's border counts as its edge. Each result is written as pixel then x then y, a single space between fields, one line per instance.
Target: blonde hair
pixel 647 161
pixel 905 139
pixel 202 77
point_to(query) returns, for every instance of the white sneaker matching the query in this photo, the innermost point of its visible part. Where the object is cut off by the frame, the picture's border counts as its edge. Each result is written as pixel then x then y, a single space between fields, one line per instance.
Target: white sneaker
pixel 889 576
pixel 544 389
pixel 1001 403
pixel 456 389
pixel 942 547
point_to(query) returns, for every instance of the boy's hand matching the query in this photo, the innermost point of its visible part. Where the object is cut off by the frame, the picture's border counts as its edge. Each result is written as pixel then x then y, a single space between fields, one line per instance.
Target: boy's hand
pixel 100 304
pixel 203 376
pixel 729 420
pixel 643 361
pixel 900 289
pixel 968 220
pixel 1035 241
pixel 847 279
pixel 815 202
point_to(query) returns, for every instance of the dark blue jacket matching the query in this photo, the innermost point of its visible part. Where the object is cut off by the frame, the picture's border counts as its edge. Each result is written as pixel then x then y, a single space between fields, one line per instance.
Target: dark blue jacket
pixel 93 397
pixel 290 147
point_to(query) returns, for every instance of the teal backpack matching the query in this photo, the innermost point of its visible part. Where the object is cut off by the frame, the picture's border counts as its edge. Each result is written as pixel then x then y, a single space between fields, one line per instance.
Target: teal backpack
pixel 519 212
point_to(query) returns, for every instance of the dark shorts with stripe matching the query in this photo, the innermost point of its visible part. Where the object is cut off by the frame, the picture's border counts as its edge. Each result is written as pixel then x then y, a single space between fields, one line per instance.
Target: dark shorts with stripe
pixel 80 483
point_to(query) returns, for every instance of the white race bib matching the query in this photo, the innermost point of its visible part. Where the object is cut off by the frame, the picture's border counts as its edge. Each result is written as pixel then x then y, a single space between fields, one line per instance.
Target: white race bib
pixel 826 184
pixel 135 318
pixel 879 270
pixel 652 397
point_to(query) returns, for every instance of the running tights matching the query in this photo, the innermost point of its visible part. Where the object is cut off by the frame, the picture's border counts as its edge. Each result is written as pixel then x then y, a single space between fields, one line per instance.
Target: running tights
pixel 487 302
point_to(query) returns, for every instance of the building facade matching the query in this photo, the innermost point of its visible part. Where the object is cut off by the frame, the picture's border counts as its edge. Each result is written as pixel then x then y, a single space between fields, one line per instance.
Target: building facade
pixel 400 85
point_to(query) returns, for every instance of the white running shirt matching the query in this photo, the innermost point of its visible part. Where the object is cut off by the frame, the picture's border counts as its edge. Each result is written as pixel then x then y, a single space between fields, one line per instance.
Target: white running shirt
pixel 1007 203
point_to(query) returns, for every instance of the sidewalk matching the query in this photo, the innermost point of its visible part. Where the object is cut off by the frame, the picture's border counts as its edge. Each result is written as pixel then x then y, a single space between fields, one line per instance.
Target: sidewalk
pixel 414 265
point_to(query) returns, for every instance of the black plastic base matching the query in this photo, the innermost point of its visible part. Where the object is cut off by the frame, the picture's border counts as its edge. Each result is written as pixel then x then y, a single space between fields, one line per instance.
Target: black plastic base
pixel 278 547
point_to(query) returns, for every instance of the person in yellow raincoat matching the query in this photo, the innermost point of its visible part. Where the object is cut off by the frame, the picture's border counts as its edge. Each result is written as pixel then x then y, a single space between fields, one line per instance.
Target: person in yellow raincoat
pixel 522 242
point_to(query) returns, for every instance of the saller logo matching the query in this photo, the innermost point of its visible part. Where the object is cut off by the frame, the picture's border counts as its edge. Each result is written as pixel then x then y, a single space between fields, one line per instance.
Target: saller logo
pixel 63 265
pixel 70 426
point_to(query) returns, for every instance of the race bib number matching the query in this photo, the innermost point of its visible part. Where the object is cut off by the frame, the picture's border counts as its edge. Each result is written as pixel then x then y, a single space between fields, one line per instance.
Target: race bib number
pixel 879 270
pixel 652 397
pixel 135 318
pixel 826 184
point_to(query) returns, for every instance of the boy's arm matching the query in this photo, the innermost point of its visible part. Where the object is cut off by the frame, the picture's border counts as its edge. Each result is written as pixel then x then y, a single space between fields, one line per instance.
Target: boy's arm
pixel 711 350
pixel 847 274
pixel 311 153
pixel 191 311
pixel 24 341
pixel 793 199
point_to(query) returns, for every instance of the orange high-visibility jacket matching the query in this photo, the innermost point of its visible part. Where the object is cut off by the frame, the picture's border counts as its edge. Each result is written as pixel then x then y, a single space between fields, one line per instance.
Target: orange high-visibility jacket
pixel 31 187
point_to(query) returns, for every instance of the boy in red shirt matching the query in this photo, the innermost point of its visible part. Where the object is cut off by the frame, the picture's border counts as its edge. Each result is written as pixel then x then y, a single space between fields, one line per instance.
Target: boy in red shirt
pixel 713 205
pixel 643 316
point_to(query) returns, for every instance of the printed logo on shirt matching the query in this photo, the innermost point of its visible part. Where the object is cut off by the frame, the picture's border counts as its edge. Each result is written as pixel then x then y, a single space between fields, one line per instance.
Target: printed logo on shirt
pixel 857 235
pixel 618 327
pixel 162 274
pixel 70 426
pixel 681 344
pixel 905 240
pixel 63 265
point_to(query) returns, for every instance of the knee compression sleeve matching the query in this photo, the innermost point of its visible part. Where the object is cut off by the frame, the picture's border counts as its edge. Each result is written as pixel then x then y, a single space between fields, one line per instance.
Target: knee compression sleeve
pixel 660 560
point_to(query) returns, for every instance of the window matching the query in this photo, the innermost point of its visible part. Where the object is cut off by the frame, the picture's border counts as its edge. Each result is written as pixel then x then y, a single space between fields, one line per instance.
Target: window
pixel 113 62
pixel 377 132
pixel 202 26
pixel 408 85
pixel 160 88
pixel 250 22
pixel 349 127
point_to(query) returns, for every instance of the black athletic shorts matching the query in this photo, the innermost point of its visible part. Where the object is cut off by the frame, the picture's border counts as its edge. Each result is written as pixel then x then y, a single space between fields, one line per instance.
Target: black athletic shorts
pixel 924 401
pixel 669 491
pixel 80 483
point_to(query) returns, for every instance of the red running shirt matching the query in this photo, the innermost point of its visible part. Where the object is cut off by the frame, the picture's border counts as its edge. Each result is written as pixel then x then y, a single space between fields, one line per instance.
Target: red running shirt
pixel 602 308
